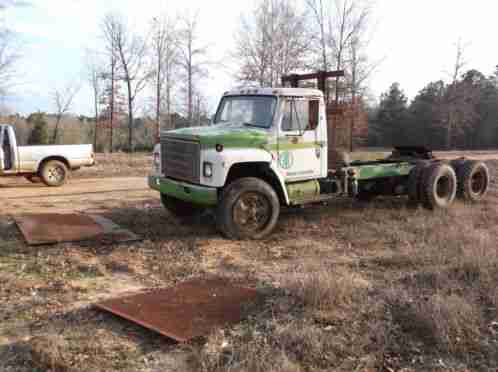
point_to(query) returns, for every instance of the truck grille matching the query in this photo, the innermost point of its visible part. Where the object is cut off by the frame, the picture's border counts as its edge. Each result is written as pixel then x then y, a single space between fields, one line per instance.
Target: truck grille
pixel 180 159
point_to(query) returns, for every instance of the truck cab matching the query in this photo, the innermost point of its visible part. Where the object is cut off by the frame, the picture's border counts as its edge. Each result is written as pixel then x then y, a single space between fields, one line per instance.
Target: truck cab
pixel 267 148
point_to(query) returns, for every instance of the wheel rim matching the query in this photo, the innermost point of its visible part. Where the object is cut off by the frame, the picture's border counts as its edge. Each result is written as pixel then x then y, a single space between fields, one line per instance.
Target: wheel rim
pixel 444 186
pixel 251 212
pixel 55 174
pixel 478 182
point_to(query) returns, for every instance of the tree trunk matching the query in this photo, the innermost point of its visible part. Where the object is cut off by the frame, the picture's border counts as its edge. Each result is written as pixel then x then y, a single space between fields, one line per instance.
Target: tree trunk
pixel 189 103
pixel 113 67
pixel 130 117
pixel 168 105
pixel 56 129
pixel 95 134
pixel 158 99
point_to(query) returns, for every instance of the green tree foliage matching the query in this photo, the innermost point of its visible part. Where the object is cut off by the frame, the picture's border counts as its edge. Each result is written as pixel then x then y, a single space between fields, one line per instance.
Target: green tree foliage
pixel 389 126
pixel 460 115
pixel 39 133
pixel 424 126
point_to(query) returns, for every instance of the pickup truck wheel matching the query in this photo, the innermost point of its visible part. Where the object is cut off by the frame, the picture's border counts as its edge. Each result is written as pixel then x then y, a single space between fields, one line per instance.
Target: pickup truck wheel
pixel 439 186
pixel 179 208
pixel 473 181
pixel 54 173
pixel 249 209
pixel 33 179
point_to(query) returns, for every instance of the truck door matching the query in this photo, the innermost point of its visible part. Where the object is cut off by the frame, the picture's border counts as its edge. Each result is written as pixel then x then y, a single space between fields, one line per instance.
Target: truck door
pixel 2 133
pixel 300 151
pixel 7 150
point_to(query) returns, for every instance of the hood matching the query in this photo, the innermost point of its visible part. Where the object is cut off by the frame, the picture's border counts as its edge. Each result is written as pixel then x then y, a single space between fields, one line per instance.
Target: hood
pixel 226 134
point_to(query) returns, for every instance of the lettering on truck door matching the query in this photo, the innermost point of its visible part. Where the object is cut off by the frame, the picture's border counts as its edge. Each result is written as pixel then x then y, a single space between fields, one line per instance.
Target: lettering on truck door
pixel 299 149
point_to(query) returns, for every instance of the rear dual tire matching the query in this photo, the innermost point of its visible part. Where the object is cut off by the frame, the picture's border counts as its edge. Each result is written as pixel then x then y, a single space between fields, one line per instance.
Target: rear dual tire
pixel 473 180
pixel 436 185
pixel 415 180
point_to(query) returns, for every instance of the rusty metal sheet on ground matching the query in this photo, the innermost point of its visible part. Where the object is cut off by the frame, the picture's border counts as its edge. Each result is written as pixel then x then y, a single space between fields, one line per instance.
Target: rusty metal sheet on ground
pixel 186 311
pixel 50 228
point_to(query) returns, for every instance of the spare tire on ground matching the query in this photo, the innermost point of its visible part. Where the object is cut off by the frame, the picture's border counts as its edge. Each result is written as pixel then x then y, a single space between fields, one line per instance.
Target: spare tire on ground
pixel 473 180
pixel 439 186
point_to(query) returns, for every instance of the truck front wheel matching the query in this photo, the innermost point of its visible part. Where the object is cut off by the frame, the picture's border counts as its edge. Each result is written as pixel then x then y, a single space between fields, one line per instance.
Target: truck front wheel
pixel 249 209
pixel 179 208
pixel 54 173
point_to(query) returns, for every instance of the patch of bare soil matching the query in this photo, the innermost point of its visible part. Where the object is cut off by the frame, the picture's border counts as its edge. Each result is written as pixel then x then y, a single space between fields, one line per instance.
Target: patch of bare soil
pixel 348 287
pixel 118 165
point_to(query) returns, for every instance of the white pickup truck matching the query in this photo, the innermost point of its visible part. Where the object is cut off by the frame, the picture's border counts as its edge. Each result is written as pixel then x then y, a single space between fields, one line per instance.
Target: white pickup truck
pixel 49 164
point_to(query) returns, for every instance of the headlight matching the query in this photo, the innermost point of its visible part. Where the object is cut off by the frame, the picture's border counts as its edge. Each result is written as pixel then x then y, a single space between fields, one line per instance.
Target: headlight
pixel 208 169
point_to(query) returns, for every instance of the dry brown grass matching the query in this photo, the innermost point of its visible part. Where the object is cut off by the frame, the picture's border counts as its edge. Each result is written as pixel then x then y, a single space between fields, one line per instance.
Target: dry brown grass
pixel 348 287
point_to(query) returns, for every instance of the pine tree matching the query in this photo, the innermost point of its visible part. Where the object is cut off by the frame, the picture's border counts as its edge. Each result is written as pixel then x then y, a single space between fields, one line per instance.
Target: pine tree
pixel 113 100
pixel 426 127
pixel 392 117
pixel 39 133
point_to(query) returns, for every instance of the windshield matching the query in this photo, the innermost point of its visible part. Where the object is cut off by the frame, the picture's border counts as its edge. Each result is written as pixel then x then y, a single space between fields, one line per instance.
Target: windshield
pixel 250 110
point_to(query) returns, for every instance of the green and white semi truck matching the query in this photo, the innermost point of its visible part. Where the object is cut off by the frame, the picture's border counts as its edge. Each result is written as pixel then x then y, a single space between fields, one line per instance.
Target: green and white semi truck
pixel 267 149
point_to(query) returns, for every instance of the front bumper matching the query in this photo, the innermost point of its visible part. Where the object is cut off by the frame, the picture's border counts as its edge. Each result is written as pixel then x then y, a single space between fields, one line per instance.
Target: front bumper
pixel 202 195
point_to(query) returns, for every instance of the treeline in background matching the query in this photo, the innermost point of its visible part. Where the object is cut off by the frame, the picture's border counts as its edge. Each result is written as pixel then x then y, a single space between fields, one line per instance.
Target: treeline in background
pixel 143 81
pixel 460 115
pixel 38 129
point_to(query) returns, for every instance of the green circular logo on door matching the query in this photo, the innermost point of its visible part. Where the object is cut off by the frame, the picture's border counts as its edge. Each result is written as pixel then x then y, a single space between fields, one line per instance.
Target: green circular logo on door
pixel 286 159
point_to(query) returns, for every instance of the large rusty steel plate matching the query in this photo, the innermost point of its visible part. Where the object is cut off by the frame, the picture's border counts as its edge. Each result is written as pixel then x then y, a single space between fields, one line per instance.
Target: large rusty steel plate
pixel 186 311
pixel 51 228
pixel 55 228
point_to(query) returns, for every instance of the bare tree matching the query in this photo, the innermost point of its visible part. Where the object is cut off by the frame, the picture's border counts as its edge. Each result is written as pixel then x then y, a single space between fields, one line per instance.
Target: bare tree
pixel 9 58
pixel 345 27
pixel 192 58
pixel 109 29
pixel 165 60
pixel 130 50
pixel 271 42
pixel 63 100
pixel 319 14
pixel 95 75
pixel 341 27
pixel 454 103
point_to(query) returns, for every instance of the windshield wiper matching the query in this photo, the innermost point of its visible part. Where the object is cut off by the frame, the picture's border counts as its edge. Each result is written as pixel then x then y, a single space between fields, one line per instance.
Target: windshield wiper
pixel 253 125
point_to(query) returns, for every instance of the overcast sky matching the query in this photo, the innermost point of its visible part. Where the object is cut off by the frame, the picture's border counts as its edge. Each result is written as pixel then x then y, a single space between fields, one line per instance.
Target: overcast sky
pixel 415 39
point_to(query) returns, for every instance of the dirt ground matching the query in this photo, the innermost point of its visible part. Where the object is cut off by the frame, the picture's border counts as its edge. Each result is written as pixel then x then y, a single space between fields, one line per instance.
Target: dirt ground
pixel 348 286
